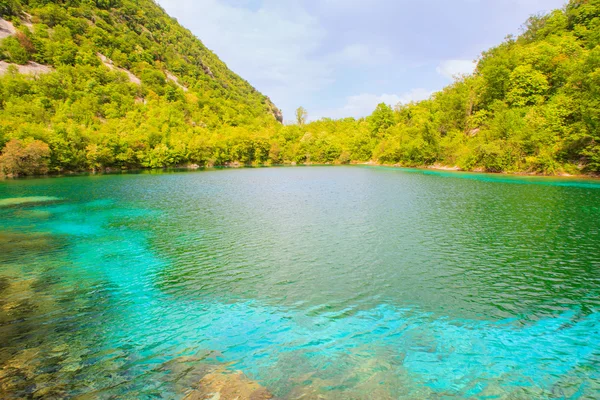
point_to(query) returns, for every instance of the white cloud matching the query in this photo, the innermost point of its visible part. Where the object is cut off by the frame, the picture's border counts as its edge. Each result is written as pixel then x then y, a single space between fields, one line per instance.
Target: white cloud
pixel 361 105
pixel 452 68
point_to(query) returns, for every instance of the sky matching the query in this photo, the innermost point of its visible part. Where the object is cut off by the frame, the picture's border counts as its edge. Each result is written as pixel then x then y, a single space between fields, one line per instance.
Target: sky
pixel 340 58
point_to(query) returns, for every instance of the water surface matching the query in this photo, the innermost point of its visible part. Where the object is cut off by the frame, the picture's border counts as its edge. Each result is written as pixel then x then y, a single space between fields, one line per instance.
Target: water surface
pixel 338 282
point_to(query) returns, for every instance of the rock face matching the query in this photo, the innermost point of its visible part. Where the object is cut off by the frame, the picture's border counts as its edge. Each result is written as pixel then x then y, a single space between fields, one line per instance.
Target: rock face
pixel 110 65
pixel 31 68
pixel 275 111
pixel 6 28
pixel 175 80
pixel 206 69
pixel 224 385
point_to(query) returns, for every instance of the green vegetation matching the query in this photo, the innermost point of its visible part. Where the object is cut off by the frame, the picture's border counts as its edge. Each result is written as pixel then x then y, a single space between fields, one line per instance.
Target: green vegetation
pixel 93 112
pixel 301 115
pixel 24 158
pixel 533 103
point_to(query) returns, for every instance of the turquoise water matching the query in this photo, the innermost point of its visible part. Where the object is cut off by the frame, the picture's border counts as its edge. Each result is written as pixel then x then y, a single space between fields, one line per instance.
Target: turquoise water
pixel 321 282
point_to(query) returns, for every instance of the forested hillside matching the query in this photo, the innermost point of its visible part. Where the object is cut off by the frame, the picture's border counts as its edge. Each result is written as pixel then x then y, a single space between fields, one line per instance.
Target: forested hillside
pixel 532 105
pixel 128 87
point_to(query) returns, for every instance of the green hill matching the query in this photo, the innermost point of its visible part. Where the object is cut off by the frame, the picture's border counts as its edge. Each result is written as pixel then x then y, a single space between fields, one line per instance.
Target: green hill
pixel 532 105
pixel 131 88
pixel 114 83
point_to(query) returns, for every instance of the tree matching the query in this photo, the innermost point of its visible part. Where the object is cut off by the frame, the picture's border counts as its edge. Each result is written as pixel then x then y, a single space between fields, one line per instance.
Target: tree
pixel 381 119
pixel 24 158
pixel 12 51
pixel 10 7
pixel 301 116
pixel 527 86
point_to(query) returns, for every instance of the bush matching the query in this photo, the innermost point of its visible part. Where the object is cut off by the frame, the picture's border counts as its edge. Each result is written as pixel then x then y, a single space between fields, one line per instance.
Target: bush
pixel 492 157
pixel 13 52
pixel 24 158
pixel 10 7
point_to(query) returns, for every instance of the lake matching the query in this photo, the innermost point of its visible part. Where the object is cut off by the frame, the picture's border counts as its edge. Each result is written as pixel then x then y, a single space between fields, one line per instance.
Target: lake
pixel 316 282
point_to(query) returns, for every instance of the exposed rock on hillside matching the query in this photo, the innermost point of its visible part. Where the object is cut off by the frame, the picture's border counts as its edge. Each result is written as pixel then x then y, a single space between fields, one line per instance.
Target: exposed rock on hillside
pixel 109 63
pixel 31 68
pixel 175 80
pixel 275 111
pixel 6 29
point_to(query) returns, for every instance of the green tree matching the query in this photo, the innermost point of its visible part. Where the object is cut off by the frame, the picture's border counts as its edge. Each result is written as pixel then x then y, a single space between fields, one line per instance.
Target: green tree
pixel 301 115
pixel 24 158
pixel 527 86
pixel 381 119
pixel 12 51
pixel 10 7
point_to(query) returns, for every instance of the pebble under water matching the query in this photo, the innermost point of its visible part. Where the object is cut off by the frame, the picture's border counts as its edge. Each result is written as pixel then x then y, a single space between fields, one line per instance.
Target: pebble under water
pixel 314 282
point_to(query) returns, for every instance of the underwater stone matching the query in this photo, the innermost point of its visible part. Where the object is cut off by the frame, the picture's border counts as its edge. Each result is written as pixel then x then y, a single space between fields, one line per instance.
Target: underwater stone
pixel 16 201
pixel 4 283
pixel 224 385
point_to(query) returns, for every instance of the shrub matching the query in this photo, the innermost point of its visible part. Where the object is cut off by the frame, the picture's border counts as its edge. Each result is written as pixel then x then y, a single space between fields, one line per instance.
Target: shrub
pixel 12 51
pixel 24 158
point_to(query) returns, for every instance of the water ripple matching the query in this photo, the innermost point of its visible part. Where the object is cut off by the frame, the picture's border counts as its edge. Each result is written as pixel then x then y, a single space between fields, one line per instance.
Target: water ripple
pixel 331 282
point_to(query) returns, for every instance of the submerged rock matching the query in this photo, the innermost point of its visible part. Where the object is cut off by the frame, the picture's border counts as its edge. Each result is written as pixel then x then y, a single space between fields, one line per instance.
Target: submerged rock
pixel 183 373
pixel 33 214
pixel 15 246
pixel 224 385
pixel 17 201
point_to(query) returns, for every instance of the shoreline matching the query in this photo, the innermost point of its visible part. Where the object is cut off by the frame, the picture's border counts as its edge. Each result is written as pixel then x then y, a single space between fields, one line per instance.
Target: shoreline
pixel 236 165
pixel 446 168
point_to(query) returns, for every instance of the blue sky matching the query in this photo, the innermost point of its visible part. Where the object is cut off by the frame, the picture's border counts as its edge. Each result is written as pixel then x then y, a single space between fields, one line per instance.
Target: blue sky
pixel 340 58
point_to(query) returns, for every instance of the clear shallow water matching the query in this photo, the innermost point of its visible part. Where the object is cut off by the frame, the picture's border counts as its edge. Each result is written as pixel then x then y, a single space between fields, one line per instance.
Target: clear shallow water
pixel 339 282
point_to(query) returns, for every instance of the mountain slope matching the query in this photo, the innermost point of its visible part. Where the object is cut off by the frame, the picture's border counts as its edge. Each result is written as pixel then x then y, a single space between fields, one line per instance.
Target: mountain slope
pixel 532 105
pixel 111 71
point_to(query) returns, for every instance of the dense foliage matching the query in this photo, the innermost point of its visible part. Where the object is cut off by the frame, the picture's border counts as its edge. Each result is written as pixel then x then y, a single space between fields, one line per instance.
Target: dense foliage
pixel 533 103
pixel 130 86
